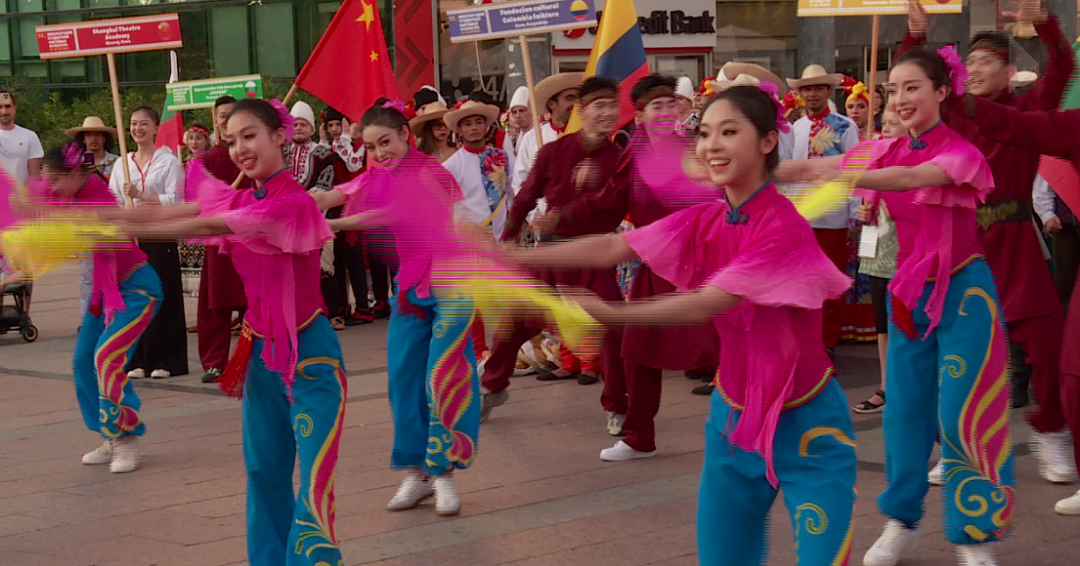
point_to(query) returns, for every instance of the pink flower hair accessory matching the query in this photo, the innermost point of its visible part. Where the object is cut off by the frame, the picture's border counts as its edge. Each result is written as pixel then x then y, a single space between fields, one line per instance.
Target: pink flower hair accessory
pixel 958 74
pixel 773 91
pixel 287 120
pixel 395 104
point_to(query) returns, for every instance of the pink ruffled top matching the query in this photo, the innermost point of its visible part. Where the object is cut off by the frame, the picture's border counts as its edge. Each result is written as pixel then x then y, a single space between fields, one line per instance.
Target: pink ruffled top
pixel 764 252
pixel 114 260
pixel 938 234
pixel 277 235
pixel 416 199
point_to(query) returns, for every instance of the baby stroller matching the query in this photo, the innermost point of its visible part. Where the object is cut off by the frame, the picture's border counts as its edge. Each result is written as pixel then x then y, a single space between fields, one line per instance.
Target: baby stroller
pixel 16 317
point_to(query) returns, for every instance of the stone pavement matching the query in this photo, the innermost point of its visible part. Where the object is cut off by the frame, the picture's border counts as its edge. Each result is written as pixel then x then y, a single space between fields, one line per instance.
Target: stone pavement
pixel 538 494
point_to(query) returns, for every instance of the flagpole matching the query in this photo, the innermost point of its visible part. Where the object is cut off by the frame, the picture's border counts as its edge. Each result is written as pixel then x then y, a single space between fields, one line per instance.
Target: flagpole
pixel 874 33
pixel 121 133
pixel 527 60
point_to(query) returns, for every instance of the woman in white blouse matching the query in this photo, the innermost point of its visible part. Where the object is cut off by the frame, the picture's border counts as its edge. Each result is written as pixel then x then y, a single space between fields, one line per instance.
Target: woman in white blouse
pixel 157 178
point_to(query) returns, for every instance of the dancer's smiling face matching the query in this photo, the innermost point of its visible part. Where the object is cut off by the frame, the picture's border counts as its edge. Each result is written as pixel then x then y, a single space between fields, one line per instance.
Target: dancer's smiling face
pixel 254 147
pixel 916 97
pixel 386 146
pixel 732 147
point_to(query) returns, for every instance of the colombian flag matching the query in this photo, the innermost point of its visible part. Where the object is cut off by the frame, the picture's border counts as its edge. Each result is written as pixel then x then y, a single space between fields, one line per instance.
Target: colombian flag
pixel 1059 173
pixel 617 54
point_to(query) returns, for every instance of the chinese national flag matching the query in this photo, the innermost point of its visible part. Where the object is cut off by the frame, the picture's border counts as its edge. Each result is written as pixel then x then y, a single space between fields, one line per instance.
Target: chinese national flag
pixel 350 68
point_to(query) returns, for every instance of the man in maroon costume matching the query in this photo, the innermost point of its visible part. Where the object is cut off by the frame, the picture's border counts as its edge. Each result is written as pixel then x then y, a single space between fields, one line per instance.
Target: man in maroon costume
pixel 1033 312
pixel 1051 133
pixel 221 292
pixel 566 170
pixel 647 350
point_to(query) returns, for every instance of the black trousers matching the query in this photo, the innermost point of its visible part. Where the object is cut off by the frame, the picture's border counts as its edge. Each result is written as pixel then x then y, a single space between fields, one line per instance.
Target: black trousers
pixel 164 344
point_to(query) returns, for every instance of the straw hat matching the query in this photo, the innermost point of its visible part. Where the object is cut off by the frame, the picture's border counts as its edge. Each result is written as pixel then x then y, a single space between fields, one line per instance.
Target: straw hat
pixel 91 124
pixel 550 87
pixel 816 75
pixel 426 113
pixel 741 80
pixel 733 69
pixel 471 108
pixel 1022 79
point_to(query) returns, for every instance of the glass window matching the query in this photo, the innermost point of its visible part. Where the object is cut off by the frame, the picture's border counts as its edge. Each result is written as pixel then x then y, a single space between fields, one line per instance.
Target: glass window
pixel 229 41
pixel 275 51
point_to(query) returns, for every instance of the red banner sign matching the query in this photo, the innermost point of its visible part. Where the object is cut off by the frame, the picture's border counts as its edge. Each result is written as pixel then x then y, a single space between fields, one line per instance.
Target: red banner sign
pixel 122 35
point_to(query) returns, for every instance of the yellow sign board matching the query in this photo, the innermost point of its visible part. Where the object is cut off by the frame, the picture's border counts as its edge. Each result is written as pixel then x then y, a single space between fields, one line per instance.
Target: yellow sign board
pixel 810 8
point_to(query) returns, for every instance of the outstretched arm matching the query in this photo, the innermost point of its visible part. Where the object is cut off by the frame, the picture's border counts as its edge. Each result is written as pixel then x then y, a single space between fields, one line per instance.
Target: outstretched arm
pixel 176 229
pixel 329 199
pixel 1060 64
pixel 904 178
pixel 602 250
pixel 1046 132
pixel 693 307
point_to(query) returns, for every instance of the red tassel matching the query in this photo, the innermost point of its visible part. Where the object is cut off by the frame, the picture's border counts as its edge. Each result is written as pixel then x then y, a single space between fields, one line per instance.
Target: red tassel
pixel 405 306
pixel 903 319
pixel 231 382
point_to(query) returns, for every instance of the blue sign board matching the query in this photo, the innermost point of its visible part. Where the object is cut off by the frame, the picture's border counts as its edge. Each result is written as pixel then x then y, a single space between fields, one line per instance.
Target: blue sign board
pixel 520 18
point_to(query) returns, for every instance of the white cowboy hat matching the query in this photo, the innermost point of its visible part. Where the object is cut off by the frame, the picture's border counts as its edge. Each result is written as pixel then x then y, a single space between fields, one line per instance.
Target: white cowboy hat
pixel 426 113
pixel 550 87
pixel 91 124
pixel 471 108
pixel 816 75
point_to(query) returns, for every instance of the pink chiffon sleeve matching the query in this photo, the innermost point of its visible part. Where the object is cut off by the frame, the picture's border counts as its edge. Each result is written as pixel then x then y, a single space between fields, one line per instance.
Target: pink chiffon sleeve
pixel 971 177
pixel 215 197
pixel 783 270
pixel 288 223
pixel 670 247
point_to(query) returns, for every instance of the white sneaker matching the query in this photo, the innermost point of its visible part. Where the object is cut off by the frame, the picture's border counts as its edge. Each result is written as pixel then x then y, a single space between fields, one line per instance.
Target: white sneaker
pixel 160 374
pixel 614 423
pixel 125 455
pixel 447 502
pixel 137 373
pixel 489 401
pixel 976 555
pixel 622 452
pixel 1069 506
pixel 936 476
pixel 891 546
pixel 415 488
pixel 100 455
pixel 1055 456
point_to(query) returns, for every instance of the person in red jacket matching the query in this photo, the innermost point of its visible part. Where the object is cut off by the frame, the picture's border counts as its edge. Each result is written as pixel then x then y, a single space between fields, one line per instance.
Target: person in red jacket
pixel 1050 133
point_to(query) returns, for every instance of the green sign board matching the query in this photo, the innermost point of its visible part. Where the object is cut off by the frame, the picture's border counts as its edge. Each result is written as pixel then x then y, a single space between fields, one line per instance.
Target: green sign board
pixel 189 95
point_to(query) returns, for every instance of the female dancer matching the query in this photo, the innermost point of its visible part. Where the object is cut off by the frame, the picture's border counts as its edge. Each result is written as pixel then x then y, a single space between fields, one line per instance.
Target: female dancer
pixel 288 365
pixel 749 263
pixel 434 388
pixel 157 177
pixel 126 294
pixel 946 338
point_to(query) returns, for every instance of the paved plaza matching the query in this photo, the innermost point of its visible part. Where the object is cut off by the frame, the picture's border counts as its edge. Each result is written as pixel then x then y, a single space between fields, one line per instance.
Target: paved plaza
pixel 538 494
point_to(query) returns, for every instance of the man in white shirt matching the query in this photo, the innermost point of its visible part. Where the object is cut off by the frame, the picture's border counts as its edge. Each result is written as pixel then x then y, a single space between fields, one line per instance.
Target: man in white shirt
pixel 482 171
pixel 20 149
pixel 824 133
pixel 520 119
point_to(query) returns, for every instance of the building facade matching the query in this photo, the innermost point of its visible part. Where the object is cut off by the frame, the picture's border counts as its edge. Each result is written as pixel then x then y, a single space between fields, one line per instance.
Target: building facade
pixel 275 37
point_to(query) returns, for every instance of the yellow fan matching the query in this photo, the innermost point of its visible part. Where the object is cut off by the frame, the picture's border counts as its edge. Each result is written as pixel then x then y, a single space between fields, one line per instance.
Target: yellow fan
pixel 497 297
pixel 827 197
pixel 42 245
